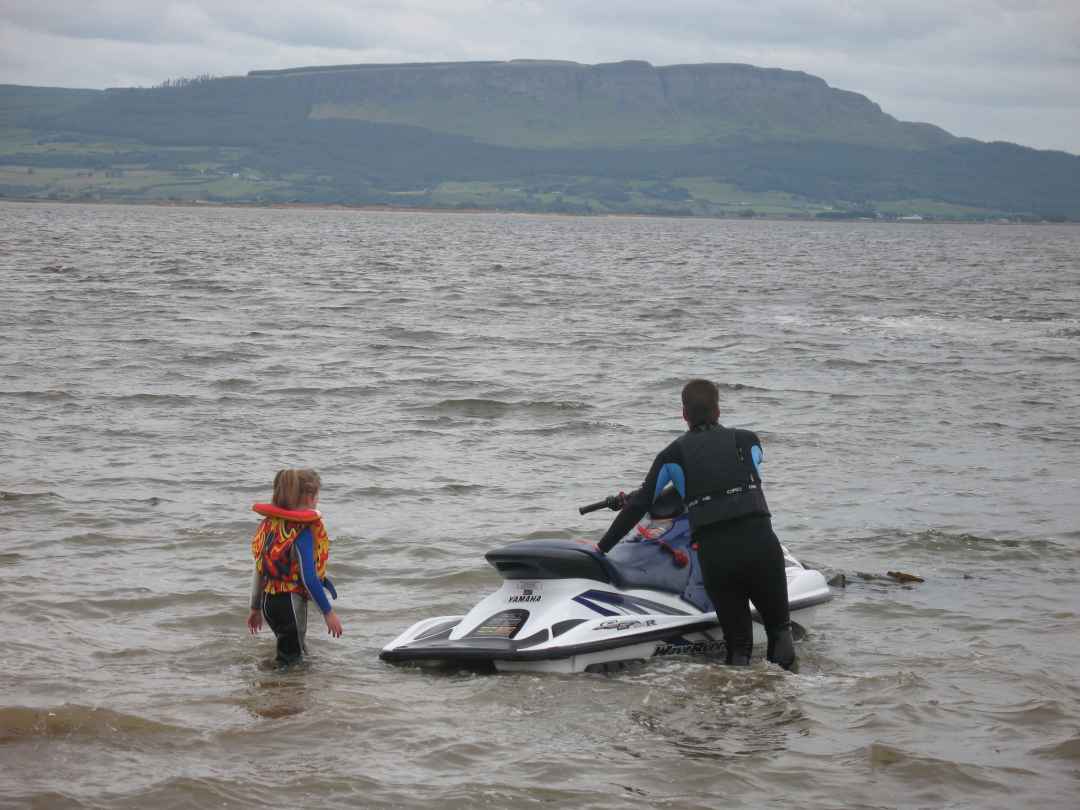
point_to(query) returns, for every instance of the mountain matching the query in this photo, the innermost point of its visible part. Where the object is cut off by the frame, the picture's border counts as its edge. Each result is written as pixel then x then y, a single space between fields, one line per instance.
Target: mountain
pixel 562 104
pixel 712 139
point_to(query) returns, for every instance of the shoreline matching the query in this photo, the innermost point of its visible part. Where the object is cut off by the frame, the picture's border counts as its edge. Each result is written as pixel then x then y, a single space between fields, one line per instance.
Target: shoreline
pixel 417 209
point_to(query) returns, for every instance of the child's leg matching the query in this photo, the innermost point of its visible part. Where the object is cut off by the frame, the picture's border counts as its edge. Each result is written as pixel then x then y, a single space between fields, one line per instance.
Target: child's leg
pixel 279 613
pixel 300 610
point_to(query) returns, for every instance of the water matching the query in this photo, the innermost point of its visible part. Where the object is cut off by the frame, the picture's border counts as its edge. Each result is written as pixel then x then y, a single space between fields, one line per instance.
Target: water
pixel 463 381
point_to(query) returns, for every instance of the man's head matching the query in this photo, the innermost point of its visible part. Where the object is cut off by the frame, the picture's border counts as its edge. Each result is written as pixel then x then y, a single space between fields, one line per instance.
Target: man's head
pixel 701 403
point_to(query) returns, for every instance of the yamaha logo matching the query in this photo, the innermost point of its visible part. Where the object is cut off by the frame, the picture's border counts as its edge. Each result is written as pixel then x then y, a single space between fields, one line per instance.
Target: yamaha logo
pixel 525 597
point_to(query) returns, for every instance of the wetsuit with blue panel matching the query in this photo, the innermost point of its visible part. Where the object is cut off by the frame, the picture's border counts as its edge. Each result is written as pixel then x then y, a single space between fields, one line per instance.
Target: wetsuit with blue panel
pixel 716 470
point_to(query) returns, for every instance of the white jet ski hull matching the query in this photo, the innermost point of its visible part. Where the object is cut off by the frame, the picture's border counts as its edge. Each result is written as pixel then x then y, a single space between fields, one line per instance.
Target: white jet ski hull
pixel 582 625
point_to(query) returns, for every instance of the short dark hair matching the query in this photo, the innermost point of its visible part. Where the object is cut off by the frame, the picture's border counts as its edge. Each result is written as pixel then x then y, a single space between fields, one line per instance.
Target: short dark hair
pixel 701 402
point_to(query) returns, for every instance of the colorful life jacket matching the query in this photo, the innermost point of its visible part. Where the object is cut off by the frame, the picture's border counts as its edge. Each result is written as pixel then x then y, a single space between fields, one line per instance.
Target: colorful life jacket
pixel 272 546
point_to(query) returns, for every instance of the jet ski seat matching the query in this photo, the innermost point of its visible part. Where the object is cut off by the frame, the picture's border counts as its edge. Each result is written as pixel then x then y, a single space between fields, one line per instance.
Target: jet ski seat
pixel 633 563
pixel 553 559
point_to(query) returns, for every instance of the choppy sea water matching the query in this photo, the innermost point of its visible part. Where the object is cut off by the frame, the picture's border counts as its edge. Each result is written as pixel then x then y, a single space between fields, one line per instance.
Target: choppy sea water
pixel 462 381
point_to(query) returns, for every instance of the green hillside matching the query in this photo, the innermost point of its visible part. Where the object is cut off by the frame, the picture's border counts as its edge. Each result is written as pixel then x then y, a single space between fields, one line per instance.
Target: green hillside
pixel 712 139
pixel 566 105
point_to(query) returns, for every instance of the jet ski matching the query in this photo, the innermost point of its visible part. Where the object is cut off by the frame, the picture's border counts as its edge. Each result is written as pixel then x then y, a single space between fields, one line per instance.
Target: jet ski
pixel 565 607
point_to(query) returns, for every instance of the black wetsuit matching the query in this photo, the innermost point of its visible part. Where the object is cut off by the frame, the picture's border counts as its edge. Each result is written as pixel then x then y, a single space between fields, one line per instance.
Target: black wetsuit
pixel 715 470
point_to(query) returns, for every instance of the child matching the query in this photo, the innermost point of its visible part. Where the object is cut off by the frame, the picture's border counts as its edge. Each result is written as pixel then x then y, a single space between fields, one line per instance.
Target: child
pixel 290 550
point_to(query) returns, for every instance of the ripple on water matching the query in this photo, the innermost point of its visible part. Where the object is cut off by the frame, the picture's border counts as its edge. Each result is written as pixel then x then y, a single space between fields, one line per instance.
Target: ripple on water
pixel 1068 750
pixel 496 408
pixel 934 779
pixel 965 546
pixel 27 496
pixel 21 722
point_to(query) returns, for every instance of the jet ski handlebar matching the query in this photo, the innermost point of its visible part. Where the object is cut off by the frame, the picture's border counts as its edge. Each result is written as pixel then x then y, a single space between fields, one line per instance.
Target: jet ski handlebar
pixel 612 502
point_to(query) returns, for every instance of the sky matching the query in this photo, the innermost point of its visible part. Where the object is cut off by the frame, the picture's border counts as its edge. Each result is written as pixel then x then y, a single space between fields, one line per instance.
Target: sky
pixel 988 69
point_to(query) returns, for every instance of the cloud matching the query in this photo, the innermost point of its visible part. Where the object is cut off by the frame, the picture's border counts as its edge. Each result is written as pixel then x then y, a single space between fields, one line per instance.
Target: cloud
pixel 990 69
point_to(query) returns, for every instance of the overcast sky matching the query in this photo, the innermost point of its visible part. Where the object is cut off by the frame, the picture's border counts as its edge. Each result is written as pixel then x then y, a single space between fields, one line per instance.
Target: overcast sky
pixel 987 69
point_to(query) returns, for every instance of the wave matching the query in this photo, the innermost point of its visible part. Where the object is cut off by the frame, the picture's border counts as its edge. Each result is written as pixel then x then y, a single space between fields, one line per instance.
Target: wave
pixel 92 539
pixel 224 620
pixel 216 358
pixel 480 408
pixel 381 492
pixel 674 382
pixel 573 428
pixel 843 362
pixel 155 399
pixel 50 395
pixel 993 327
pixel 6 495
pixel 20 723
pixel 1068 749
pixel 144 600
pixel 966 544
pixel 466 579
pixel 458 488
pixel 208 791
pixel 129 433
pixel 138 341
pixel 350 391
pixel 402 333
pixel 376 348
pixel 298 391
pixel 171 263
pixel 1054 358
pixel 920 769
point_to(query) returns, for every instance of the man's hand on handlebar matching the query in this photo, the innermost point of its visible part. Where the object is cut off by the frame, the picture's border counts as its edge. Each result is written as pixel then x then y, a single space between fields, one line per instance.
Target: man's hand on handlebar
pixel 612 502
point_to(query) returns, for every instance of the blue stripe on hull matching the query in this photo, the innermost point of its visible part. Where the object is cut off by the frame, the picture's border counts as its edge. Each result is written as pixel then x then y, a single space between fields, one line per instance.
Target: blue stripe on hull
pixel 633 604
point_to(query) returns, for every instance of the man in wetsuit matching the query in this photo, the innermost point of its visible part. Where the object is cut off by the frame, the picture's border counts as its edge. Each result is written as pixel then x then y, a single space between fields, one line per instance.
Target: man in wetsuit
pixel 716 470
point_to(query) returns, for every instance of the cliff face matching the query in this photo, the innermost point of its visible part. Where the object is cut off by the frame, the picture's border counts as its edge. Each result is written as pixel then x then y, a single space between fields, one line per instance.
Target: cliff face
pixel 559 104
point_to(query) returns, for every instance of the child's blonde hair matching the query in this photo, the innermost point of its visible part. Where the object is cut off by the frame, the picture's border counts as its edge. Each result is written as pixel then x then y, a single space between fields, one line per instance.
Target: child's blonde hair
pixel 290 486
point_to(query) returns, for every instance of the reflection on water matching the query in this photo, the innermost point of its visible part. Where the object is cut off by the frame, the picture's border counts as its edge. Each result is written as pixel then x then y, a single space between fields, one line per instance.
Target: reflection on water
pixel 281 694
pixel 721 712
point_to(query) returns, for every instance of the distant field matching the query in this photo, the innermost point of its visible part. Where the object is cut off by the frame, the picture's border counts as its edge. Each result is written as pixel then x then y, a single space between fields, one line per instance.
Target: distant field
pixel 522 124
pixel 724 198
pixel 935 208
pixel 205 181
pixel 132 184
pixel 60 167
pixel 25 142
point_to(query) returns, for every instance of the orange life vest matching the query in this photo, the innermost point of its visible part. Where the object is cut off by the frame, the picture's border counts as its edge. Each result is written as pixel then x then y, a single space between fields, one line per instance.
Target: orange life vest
pixel 272 547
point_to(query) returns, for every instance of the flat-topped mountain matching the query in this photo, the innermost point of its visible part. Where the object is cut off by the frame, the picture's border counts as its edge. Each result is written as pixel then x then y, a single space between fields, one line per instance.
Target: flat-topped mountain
pixel 544 104
pixel 709 139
